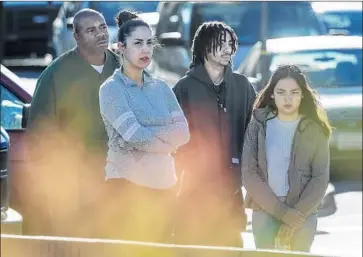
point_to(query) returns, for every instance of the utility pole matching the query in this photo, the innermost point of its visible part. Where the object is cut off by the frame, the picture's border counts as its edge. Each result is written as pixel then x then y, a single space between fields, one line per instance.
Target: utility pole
pixel 263 38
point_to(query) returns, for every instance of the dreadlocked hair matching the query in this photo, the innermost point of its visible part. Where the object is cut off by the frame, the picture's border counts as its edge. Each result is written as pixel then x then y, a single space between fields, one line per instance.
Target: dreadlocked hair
pixel 208 38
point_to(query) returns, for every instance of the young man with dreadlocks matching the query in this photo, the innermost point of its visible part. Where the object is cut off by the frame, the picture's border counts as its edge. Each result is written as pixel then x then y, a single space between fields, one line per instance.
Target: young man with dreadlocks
pixel 217 104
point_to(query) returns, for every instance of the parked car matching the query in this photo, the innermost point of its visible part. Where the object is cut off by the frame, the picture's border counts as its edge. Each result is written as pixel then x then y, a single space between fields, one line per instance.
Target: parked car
pixel 11 220
pixel 28 28
pixel 4 175
pixel 15 102
pixel 63 40
pixel 335 71
pixel 178 22
pixel 340 17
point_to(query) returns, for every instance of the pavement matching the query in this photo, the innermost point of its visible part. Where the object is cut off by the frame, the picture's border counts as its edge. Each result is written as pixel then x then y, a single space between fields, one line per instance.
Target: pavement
pixel 11 222
pixel 339 231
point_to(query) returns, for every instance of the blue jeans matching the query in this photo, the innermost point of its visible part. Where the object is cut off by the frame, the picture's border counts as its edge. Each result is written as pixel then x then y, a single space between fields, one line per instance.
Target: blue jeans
pixel 265 228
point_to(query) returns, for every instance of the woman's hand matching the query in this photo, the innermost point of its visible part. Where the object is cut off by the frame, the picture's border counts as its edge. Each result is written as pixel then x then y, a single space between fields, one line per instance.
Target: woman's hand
pixel 284 236
pixel 293 218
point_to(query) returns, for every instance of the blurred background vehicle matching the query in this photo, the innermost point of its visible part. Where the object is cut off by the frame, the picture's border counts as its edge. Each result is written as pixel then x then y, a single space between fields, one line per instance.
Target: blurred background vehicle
pixel 340 17
pixel 178 22
pixel 11 221
pixel 63 39
pixel 4 152
pixel 15 102
pixel 335 71
pixel 28 29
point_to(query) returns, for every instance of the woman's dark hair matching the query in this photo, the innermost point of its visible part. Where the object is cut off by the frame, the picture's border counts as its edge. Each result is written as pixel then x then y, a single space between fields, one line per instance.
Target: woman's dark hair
pixel 310 106
pixel 207 39
pixel 127 22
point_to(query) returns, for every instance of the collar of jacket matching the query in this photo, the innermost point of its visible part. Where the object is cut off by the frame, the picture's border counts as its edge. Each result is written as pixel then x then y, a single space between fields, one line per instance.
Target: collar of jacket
pixel 262 115
pixel 200 73
pixel 108 55
pixel 131 83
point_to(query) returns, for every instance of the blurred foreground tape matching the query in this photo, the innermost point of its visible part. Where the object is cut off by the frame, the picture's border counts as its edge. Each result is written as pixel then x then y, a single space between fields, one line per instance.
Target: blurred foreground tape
pixel 43 246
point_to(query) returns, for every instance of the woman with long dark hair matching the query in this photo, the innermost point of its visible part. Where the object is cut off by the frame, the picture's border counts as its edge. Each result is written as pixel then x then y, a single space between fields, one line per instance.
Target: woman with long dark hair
pixel 285 162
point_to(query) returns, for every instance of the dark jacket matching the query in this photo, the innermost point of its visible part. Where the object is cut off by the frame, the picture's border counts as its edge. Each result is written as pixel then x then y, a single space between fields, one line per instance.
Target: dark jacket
pixel 216 135
pixel 308 172
pixel 67 144
pixel 66 103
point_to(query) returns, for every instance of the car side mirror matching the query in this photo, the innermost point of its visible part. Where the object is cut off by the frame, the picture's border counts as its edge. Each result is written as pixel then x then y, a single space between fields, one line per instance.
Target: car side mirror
pixel 70 23
pixel 255 82
pixel 25 115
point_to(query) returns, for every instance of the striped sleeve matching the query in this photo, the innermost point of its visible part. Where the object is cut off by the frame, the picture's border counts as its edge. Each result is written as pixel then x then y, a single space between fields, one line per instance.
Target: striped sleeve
pixel 176 133
pixel 115 108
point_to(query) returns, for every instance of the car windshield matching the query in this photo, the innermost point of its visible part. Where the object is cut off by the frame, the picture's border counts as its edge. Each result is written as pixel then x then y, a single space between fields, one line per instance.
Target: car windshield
pixel 347 20
pixel 109 9
pixel 286 19
pixel 330 68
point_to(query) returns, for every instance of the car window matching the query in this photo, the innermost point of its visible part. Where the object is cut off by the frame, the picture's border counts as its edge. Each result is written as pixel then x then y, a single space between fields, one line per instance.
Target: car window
pixel 348 20
pixel 11 110
pixel 169 19
pixel 248 67
pixel 109 9
pixel 285 19
pixel 332 68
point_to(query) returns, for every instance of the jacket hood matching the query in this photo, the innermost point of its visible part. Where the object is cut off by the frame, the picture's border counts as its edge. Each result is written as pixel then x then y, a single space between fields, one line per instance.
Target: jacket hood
pixel 262 114
pixel 267 113
pixel 200 73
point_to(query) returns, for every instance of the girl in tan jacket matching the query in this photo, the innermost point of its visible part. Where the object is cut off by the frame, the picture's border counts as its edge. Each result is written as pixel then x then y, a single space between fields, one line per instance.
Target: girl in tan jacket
pixel 285 161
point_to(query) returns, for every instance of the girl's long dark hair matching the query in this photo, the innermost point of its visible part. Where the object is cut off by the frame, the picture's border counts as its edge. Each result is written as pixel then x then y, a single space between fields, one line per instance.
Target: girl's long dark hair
pixel 310 106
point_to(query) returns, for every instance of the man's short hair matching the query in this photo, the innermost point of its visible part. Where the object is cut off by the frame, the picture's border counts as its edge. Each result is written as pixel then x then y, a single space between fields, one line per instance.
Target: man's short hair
pixel 82 14
pixel 207 39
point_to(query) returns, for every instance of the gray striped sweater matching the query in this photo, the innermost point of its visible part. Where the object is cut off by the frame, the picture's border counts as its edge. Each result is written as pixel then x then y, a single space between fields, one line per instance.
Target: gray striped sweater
pixel 144 126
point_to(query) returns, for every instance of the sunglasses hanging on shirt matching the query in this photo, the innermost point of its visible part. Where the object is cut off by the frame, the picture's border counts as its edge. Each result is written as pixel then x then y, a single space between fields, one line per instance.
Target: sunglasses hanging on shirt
pixel 221 96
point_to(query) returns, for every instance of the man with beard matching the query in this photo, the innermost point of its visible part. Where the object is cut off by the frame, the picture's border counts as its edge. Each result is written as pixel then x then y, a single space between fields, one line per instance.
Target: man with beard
pixel 217 104
pixel 67 140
